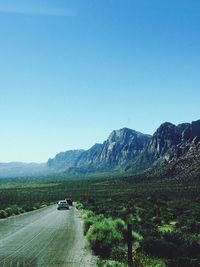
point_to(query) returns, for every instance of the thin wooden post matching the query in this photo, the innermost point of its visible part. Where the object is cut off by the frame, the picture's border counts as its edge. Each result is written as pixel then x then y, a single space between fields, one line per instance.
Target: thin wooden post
pixel 129 243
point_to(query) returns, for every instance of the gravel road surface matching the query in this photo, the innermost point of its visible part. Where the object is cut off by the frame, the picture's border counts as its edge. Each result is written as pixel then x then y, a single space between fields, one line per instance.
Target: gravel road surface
pixel 45 237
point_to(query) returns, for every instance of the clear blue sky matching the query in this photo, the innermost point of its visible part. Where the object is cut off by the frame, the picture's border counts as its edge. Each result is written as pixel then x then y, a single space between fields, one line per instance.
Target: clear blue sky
pixel 72 71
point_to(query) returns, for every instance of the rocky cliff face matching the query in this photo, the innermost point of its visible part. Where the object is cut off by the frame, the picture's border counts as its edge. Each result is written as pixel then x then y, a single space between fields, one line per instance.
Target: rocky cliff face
pixel 168 143
pixel 121 146
pixel 186 167
pixel 89 159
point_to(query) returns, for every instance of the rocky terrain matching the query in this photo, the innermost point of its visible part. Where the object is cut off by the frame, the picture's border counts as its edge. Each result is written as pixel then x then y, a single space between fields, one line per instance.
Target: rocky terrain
pixel 168 144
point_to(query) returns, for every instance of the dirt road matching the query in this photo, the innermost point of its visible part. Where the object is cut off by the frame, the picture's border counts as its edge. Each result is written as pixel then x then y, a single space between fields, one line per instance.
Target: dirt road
pixel 45 237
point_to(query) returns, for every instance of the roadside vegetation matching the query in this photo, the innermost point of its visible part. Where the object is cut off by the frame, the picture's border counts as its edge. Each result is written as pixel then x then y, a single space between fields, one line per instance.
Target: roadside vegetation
pixel 165 214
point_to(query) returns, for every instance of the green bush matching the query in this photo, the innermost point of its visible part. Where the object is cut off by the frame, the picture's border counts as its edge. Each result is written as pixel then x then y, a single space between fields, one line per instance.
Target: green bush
pixel 103 235
pixel 21 210
pixel 16 210
pixel 90 220
pixel 109 263
pixel 3 214
pixel 87 223
pixel 9 211
pixel 121 226
pixel 87 214
pixel 79 206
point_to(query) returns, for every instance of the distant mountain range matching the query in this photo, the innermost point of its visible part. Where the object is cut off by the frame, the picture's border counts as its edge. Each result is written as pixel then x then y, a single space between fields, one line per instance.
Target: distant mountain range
pixel 17 169
pixel 125 150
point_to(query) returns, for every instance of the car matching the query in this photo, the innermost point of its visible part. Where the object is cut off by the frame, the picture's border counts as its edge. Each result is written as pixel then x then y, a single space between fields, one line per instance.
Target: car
pixel 62 204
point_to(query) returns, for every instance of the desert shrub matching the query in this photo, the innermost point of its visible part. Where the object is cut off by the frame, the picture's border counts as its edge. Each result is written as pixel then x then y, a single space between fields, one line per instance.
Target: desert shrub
pixel 137 236
pixel 88 223
pixel 90 219
pixel 3 214
pixel 87 214
pixel 21 210
pixel 103 236
pixel 121 227
pixel 15 209
pixel 9 211
pixel 109 263
pixel 79 206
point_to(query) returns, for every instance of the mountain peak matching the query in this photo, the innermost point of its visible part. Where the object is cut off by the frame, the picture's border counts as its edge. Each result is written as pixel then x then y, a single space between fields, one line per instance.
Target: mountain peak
pixel 124 133
pixel 165 126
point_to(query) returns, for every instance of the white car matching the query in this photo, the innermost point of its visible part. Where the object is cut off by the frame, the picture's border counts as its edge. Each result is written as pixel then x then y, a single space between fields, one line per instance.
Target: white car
pixel 62 204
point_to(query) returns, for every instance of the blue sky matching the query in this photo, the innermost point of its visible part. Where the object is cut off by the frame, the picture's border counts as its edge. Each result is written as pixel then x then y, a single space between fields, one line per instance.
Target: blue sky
pixel 72 71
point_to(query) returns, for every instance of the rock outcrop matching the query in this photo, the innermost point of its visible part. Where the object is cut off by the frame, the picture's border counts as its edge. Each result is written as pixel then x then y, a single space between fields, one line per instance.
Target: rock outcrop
pixel 121 147
pixel 167 144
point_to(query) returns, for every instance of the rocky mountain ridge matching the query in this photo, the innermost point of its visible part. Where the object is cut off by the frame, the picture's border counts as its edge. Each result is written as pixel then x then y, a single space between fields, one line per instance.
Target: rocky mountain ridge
pixel 185 168
pixel 169 143
pixel 129 150
pixel 122 146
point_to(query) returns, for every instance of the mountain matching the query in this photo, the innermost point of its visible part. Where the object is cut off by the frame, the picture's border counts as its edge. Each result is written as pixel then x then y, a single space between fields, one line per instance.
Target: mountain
pixel 121 147
pixel 17 169
pixel 188 165
pixel 90 157
pixel 64 160
pixel 167 145
pixel 185 168
pixel 131 151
